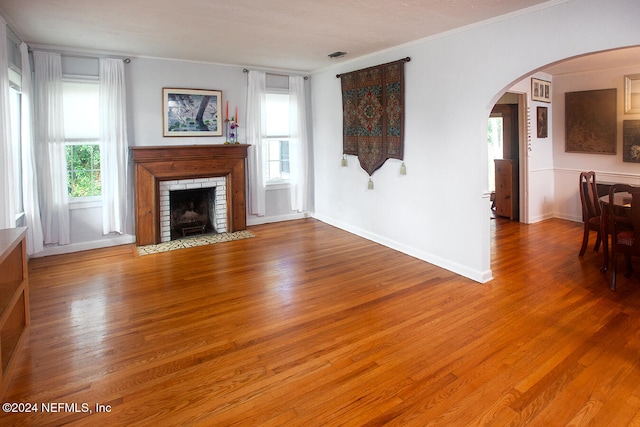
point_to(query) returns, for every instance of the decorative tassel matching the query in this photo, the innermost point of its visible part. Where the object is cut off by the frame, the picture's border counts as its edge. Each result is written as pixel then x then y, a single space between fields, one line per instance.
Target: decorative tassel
pixel 403 169
pixel 370 184
pixel 344 161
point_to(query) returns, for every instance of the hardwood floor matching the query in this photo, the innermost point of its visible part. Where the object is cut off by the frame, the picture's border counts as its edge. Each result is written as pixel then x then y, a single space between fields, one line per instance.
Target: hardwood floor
pixel 309 325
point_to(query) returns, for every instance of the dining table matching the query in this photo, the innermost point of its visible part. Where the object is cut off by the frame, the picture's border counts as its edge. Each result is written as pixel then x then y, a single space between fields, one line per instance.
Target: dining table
pixel 622 203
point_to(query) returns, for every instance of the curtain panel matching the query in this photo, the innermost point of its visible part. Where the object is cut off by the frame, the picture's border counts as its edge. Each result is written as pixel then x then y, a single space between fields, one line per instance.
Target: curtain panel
pixel 8 181
pixel 373 114
pixel 298 181
pixel 256 127
pixel 50 148
pixel 29 170
pixel 113 137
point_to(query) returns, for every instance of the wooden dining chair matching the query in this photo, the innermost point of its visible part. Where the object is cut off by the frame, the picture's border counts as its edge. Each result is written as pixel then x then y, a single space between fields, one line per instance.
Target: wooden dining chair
pixel 624 228
pixel 590 210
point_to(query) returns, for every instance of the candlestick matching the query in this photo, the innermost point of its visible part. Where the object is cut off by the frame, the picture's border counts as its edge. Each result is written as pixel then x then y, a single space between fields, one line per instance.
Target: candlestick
pixel 237 120
pixel 226 114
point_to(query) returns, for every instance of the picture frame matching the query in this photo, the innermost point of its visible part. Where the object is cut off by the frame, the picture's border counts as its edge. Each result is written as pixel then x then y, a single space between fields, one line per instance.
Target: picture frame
pixel 631 141
pixel 591 121
pixel 632 94
pixel 192 112
pixel 542 121
pixel 540 90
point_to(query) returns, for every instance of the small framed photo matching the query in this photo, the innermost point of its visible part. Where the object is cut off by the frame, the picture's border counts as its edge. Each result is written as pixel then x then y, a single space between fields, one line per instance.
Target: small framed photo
pixel 540 90
pixel 542 119
pixel 192 112
pixel 632 94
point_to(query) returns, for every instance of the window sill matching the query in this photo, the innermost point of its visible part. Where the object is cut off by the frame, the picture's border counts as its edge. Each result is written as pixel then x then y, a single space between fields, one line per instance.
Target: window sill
pixel 277 186
pixel 85 203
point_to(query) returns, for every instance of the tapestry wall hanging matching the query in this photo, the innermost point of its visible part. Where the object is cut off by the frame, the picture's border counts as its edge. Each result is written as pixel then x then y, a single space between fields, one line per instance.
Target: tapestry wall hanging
pixel 373 114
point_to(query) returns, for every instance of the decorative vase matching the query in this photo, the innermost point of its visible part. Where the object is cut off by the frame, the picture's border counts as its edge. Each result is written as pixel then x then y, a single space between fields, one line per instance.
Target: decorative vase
pixel 232 131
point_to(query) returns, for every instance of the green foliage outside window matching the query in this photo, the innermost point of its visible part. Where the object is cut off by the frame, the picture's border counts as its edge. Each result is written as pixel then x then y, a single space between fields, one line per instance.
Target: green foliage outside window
pixel 83 170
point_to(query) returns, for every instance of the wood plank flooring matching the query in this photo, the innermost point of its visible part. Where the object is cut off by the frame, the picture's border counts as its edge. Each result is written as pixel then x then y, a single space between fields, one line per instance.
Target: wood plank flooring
pixel 306 324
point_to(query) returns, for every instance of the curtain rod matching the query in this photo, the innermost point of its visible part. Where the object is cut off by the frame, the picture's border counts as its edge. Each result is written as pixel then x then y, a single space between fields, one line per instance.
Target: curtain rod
pixel 244 70
pixel 126 60
pixel 407 59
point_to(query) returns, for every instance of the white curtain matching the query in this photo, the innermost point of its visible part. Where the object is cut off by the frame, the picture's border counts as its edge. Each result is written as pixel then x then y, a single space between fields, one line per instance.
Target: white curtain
pixel 50 148
pixel 113 136
pixel 298 145
pixel 256 126
pixel 29 171
pixel 8 182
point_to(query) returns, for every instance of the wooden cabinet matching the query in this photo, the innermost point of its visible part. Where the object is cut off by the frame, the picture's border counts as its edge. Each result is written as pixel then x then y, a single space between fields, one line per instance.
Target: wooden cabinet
pixel 14 300
pixel 504 188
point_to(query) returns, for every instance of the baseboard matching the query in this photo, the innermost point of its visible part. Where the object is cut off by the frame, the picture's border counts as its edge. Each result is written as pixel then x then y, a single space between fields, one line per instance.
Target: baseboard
pixel 257 220
pixel 124 239
pixel 475 275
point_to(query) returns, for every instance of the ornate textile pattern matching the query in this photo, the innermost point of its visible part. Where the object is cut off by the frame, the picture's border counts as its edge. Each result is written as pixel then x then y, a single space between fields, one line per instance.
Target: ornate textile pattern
pixel 373 114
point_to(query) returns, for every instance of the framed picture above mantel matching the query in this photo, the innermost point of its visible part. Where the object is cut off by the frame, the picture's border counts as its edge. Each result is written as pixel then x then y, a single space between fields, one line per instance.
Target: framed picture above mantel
pixel 192 112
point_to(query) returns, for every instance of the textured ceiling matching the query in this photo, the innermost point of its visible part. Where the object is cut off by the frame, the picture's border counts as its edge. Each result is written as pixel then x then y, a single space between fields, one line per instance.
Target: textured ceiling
pixel 275 34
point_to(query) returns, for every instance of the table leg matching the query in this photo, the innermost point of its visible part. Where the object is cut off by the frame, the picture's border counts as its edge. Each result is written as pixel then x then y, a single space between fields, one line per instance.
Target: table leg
pixel 604 233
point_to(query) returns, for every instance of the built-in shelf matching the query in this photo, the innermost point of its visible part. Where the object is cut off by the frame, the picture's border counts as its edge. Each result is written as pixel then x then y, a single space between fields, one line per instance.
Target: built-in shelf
pixel 14 300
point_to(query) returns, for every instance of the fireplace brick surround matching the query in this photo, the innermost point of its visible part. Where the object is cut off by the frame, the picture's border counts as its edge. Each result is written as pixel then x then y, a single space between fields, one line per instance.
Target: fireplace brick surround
pixel 162 163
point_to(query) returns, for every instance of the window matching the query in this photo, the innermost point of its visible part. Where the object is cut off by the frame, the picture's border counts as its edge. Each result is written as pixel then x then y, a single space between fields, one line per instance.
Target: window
pixel 15 106
pixel 494 137
pixel 277 137
pixel 81 130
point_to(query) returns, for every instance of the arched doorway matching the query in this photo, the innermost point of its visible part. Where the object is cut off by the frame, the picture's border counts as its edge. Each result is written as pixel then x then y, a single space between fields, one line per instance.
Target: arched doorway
pixel 548 185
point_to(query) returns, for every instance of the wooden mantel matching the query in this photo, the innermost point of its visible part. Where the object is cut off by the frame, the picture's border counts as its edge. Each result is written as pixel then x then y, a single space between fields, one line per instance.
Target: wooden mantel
pixel 162 163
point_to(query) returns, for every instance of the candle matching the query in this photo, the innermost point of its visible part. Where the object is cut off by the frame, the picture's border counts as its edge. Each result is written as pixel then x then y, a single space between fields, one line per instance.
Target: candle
pixel 237 120
pixel 226 114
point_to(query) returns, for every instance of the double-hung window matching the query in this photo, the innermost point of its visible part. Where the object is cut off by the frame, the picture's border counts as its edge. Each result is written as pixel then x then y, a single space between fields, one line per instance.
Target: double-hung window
pixel 277 137
pixel 81 130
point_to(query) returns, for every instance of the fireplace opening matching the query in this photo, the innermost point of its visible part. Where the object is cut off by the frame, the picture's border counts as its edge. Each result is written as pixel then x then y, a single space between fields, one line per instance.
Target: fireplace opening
pixel 188 205
pixel 192 212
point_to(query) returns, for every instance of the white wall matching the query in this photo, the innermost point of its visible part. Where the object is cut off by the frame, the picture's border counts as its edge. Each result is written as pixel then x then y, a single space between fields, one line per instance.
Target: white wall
pixel 148 76
pixel 608 168
pixel 437 212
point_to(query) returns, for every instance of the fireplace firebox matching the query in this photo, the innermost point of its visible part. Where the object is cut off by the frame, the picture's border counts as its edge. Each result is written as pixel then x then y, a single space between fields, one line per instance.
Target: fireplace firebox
pixel 192 206
pixel 191 212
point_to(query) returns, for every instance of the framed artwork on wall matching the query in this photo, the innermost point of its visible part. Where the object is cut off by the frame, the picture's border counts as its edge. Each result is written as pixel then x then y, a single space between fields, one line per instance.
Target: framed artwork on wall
pixel 543 125
pixel 191 112
pixel 631 141
pixel 632 94
pixel 540 90
pixel 591 121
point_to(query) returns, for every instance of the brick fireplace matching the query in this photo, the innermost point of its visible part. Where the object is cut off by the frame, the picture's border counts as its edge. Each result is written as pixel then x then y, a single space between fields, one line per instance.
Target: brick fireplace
pixel 158 164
